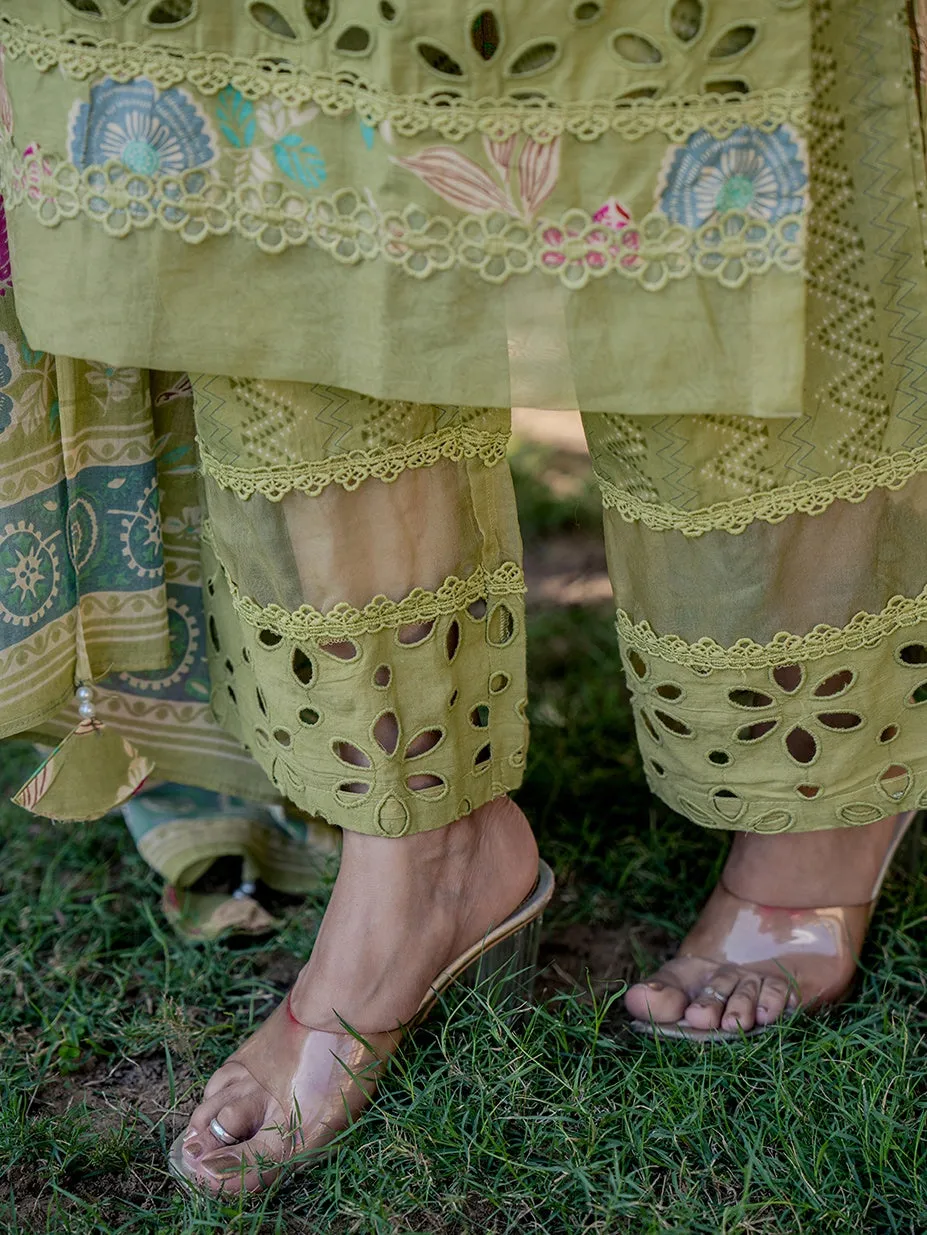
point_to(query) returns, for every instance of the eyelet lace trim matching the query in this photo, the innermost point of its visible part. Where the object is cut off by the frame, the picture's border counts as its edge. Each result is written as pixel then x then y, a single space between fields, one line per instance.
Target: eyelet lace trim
pixel 80 56
pixel 809 497
pixel 346 622
pixel 574 249
pixel 352 469
pixel 863 630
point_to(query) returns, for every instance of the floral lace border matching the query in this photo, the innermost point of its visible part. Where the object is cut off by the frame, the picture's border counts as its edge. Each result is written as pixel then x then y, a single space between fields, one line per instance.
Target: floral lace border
pixel 196 205
pixel 80 56
pixel 346 622
pixel 350 470
pixel 809 497
pixel 863 630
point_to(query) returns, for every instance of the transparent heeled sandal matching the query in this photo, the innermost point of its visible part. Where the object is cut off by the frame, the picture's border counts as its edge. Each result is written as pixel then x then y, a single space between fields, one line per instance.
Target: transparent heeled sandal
pixel 329 1078
pixel 816 950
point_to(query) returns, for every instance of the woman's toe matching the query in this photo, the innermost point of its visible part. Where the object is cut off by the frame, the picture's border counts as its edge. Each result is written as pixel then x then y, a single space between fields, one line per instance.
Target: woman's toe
pixel 249 1166
pixel 740 1011
pixel 237 1109
pixel 773 997
pixel 231 1073
pixel 658 999
pixel 706 1009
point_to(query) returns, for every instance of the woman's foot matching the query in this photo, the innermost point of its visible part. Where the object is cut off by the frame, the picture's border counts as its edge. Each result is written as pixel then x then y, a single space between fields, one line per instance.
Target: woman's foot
pixel 758 949
pixel 400 912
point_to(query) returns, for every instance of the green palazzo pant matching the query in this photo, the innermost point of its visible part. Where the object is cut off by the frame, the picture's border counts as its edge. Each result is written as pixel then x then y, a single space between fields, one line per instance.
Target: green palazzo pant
pixel 702 225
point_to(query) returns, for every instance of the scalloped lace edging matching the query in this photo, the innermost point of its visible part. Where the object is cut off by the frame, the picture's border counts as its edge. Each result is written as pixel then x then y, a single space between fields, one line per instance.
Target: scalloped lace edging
pixel 346 622
pixel 863 630
pixel 352 469
pixel 79 56
pixel 196 205
pixel 809 497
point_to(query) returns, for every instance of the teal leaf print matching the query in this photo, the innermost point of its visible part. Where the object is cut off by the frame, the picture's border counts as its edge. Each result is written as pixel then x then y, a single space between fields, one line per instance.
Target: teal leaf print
pixel 174 456
pixel 236 118
pixel 368 134
pixel 300 161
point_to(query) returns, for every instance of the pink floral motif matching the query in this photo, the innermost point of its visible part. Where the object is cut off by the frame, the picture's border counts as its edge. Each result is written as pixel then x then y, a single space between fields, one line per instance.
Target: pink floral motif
pixel 6 266
pixel 464 184
pixel 573 246
pixel 539 170
pixel 36 170
pixel 459 180
pixel 593 250
pixel 613 215
pixel 500 155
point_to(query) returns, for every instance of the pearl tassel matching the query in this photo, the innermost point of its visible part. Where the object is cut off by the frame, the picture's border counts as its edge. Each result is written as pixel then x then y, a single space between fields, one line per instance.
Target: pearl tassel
pixel 85 705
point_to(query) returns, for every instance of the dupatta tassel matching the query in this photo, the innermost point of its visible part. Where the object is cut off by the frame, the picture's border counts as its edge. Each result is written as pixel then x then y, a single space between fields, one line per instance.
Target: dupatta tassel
pixel 92 772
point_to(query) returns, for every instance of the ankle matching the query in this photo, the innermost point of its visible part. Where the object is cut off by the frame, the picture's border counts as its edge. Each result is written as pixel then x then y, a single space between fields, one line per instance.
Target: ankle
pixel 403 909
pixel 443 858
pixel 808 870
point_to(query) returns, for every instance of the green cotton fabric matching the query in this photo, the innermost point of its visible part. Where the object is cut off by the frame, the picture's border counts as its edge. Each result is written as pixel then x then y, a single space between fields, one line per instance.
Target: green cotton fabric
pixel 373 661
pixel 701 222
pixel 507 206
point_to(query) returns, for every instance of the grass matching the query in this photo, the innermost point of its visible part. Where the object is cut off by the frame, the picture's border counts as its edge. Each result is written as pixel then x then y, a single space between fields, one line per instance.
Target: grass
pixel 561 1121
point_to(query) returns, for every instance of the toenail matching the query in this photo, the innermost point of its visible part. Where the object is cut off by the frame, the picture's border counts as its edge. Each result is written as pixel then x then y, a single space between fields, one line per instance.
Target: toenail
pixel 192 1149
pixel 223 1164
pixel 656 986
pixel 732 1022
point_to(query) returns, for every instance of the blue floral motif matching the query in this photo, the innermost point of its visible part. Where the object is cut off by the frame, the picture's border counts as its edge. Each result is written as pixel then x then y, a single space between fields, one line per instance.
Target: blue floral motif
pixel 264 131
pixel 6 403
pixel 760 174
pixel 235 114
pixel 151 132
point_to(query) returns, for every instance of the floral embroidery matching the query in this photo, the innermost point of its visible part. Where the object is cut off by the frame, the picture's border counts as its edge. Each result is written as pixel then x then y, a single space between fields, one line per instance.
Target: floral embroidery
pixel 261 136
pixel 151 132
pixel 575 253
pixel 35 173
pixel 613 215
pixel 518 189
pixel 764 175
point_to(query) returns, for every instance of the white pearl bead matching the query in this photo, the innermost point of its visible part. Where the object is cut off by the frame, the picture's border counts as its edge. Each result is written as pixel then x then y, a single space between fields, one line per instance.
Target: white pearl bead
pixel 84 694
pixel 87 710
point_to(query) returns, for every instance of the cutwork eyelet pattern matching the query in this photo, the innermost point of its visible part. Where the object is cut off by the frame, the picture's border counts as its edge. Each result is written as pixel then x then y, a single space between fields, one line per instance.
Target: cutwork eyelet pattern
pixel 350 716
pixel 640 110
pixel 797 742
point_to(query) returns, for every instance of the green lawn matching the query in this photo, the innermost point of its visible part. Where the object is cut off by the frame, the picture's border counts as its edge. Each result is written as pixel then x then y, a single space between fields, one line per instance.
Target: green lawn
pixel 561 1121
